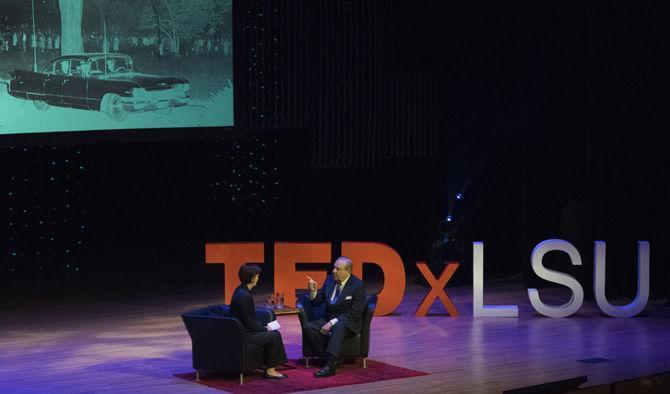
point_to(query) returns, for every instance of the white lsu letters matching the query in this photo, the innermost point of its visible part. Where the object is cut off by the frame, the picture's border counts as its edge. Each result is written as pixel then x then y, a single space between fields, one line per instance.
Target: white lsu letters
pixel 633 308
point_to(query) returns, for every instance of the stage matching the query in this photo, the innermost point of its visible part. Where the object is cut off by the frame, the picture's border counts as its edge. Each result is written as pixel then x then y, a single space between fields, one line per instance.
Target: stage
pixel 137 345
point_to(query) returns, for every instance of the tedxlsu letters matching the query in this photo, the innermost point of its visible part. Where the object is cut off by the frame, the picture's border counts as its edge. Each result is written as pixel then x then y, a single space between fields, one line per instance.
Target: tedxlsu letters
pixel 287 279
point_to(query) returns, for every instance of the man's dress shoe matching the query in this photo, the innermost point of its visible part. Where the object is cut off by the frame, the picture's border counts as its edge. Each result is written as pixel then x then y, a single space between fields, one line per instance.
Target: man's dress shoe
pixel 325 372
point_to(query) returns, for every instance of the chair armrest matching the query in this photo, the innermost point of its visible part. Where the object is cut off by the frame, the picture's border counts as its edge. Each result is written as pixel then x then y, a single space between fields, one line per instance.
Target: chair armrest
pixel 203 328
pixel 305 309
pixel 264 315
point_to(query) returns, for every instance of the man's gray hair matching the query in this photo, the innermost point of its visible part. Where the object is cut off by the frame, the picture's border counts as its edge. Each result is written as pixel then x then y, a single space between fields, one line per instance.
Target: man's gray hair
pixel 348 264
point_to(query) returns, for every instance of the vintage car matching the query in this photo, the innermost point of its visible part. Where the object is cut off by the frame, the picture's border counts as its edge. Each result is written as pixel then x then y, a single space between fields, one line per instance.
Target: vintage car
pixel 100 82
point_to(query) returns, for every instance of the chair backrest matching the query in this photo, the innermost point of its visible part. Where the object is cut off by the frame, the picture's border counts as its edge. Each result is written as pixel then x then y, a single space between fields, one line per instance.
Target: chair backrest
pixel 212 310
pixel 370 307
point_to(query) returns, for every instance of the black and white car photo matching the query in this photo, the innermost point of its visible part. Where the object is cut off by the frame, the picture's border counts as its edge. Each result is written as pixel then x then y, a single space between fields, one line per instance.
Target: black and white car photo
pixel 87 65
pixel 100 82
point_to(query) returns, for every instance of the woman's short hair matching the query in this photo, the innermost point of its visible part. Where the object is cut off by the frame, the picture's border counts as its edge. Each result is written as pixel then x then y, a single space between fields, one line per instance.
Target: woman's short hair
pixel 247 273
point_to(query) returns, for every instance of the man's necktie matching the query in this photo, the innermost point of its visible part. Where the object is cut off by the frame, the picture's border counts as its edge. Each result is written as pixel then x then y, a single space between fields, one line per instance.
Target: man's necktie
pixel 337 293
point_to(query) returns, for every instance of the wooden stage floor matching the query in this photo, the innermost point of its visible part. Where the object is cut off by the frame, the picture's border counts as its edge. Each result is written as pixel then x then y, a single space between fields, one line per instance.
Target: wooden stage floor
pixel 136 346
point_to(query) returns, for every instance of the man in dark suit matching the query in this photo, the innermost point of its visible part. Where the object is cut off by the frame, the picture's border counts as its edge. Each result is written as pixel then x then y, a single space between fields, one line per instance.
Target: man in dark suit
pixel 344 296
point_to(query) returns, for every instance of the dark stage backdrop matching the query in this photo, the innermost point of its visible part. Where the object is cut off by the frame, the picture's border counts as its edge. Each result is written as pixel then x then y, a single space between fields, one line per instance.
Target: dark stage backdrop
pixel 507 124
pixel 115 220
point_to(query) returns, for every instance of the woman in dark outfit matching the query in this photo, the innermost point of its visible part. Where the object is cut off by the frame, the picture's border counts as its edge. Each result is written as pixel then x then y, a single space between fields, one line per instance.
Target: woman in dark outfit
pixel 242 308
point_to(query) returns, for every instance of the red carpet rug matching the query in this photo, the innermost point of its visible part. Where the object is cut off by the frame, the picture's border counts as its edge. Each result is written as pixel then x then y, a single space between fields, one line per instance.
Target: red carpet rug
pixel 301 378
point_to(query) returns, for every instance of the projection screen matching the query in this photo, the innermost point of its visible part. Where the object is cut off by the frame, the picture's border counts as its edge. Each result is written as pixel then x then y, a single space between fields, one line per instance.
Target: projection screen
pixel 84 65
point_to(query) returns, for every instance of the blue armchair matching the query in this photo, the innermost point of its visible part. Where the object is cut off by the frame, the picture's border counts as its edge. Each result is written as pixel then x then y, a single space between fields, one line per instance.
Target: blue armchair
pixel 354 347
pixel 219 341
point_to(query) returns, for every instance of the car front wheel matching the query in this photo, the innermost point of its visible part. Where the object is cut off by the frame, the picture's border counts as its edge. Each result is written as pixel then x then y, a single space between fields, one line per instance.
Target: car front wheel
pixel 112 104
pixel 164 110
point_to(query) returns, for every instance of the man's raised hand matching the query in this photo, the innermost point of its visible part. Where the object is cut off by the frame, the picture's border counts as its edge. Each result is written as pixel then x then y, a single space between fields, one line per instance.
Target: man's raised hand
pixel 311 284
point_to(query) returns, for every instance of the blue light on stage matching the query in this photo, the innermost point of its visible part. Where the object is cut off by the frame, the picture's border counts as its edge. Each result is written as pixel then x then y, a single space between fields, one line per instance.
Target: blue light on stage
pixel 449 218
pixel 459 196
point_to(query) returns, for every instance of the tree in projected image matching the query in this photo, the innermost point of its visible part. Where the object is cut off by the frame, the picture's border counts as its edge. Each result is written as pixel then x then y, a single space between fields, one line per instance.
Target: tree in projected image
pixel 184 18
pixel 71 16
pixel 175 19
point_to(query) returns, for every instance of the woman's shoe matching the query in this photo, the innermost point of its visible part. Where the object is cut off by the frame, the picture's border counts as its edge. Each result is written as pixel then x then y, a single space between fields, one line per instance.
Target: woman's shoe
pixel 283 376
